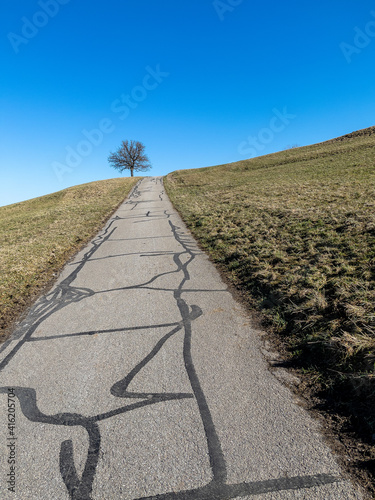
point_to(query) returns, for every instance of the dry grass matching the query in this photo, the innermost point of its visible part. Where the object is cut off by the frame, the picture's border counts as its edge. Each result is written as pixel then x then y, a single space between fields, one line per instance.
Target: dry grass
pixel 296 231
pixel 38 236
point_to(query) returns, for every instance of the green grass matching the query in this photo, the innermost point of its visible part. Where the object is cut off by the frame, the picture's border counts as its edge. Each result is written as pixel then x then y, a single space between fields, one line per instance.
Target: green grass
pixel 295 231
pixel 38 236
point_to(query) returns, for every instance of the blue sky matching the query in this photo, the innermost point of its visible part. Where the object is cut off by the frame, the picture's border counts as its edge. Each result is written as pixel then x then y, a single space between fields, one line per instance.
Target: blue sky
pixel 199 82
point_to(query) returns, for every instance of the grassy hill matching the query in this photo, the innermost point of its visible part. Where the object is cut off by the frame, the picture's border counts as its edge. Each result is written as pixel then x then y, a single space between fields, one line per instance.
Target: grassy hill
pixel 295 232
pixel 38 236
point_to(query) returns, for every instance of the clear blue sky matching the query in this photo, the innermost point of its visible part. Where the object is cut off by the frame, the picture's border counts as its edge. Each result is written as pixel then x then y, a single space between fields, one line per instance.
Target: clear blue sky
pixel 199 82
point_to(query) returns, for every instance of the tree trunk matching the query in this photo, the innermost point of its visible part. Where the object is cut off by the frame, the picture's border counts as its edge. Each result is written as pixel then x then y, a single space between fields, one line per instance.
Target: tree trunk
pixel 131 173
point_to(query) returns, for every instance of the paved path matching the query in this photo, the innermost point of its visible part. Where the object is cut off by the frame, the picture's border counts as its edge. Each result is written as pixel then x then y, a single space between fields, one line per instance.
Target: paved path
pixel 138 376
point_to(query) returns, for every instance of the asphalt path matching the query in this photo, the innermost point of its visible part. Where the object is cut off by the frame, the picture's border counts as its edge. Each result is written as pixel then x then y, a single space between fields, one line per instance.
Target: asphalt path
pixel 139 376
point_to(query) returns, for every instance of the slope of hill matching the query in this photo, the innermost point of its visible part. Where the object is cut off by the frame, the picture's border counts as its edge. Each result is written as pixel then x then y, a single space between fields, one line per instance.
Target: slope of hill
pixel 38 236
pixel 295 232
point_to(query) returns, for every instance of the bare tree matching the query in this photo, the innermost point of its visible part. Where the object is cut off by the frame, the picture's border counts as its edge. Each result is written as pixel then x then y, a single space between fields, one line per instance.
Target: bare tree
pixel 130 155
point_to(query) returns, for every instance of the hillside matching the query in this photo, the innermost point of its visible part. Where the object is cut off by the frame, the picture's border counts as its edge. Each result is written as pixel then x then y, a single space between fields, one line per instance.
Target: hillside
pixel 38 236
pixel 295 233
